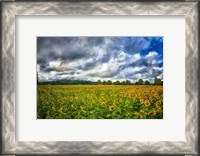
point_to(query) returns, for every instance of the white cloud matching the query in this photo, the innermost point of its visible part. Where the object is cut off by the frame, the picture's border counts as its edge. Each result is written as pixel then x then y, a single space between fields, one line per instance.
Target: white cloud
pixel 132 70
pixel 154 62
pixel 135 57
pixel 55 64
pixel 151 54
pixel 38 67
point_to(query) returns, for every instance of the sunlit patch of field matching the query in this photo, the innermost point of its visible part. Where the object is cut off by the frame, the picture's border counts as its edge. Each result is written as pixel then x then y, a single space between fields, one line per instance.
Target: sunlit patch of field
pixel 99 102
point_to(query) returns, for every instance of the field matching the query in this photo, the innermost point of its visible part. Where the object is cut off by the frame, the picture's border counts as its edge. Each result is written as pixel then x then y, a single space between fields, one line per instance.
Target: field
pixel 99 102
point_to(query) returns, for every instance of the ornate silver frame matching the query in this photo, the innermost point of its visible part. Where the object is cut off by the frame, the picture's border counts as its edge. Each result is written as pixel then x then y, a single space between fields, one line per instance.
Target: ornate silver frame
pixel 9 12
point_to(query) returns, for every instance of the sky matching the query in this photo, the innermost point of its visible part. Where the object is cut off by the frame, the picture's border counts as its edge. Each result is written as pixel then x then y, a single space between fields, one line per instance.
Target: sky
pixel 100 58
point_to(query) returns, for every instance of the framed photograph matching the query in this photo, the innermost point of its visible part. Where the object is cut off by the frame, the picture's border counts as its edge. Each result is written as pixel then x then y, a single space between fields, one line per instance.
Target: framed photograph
pixel 93 77
pixel 100 77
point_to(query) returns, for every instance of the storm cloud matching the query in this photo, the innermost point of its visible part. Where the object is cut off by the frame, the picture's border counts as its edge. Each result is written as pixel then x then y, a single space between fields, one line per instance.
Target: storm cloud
pixel 104 58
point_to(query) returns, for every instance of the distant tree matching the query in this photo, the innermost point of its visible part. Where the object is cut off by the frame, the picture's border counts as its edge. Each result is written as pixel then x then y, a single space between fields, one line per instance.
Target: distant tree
pixel 140 82
pixel 147 82
pixel 157 81
pixel 104 82
pixel 117 82
pixel 123 83
pixel 109 82
pixel 128 82
pixel 136 83
pixel 99 82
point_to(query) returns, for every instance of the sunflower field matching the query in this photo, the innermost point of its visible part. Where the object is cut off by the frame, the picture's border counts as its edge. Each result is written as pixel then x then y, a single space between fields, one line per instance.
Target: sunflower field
pixel 99 102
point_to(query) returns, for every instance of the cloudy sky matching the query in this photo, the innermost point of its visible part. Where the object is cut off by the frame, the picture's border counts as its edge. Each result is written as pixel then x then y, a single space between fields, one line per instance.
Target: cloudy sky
pixel 104 58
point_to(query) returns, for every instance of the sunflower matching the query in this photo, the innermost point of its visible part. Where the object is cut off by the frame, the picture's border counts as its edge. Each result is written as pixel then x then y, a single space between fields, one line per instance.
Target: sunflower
pixel 103 103
pixel 147 103
pixel 153 112
pixel 138 115
pixel 141 101
pixel 134 100
pixel 158 103
pixel 111 108
pixel 158 109
pixel 119 100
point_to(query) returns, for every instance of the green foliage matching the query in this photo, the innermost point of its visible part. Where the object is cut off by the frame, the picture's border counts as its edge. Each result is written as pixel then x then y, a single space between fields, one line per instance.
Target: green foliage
pixel 66 82
pixel 128 82
pixel 147 82
pixel 104 82
pixel 158 81
pixel 99 82
pixel 117 83
pixel 139 82
pixel 109 82
pixel 123 83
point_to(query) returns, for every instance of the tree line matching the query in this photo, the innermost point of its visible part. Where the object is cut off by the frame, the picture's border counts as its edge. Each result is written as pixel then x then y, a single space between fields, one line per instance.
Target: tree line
pixel 65 82
pixel 157 81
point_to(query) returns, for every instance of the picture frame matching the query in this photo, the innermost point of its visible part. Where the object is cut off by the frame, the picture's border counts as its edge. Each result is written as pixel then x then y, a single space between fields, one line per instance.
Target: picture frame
pixel 11 9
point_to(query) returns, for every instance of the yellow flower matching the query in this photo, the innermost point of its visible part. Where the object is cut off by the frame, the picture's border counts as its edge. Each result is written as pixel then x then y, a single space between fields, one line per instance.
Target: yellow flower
pixel 103 104
pixel 153 112
pixel 141 101
pixel 138 115
pixel 119 100
pixel 158 103
pixel 158 109
pixel 134 100
pixel 147 103
pixel 111 108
